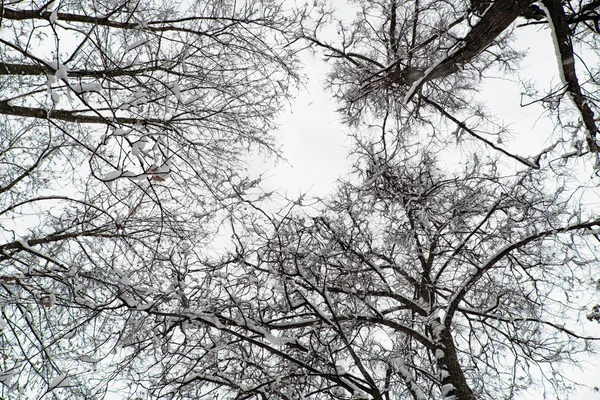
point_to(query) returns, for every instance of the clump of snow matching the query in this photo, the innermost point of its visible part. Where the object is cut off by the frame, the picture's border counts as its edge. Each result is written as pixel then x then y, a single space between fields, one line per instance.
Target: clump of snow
pixel 143 306
pixel 440 314
pixel 177 92
pixel 7 376
pixel 86 87
pixel 129 301
pixel 561 71
pixel 191 99
pixel 595 314
pixel 112 175
pixel 134 176
pixel 447 388
pixel 59 381
pixel 417 390
pixel 213 319
pixel 439 354
pixel 119 132
pixel 53 95
pixel 125 281
pixel 53 17
pixel 138 147
pixel 403 371
pixel 340 370
pixel 437 330
pixel 62 72
pixel 24 244
pixel 129 174
pixel 418 83
pixel 135 44
pixel 88 359
pixel 161 172
pixel 131 61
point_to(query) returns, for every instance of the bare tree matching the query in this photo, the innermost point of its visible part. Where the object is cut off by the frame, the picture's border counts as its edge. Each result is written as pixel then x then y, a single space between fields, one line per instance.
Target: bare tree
pixel 123 129
pixel 121 155
pixel 414 280
pixel 409 283
pixel 412 283
pixel 423 62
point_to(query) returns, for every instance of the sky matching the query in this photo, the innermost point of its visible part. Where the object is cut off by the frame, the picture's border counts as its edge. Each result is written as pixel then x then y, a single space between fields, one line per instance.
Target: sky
pixel 312 140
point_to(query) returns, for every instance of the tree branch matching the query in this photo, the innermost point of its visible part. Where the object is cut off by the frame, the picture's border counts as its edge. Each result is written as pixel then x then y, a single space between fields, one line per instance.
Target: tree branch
pixel 562 40
pixel 43 69
pixel 72 116
pixel 499 16
pixel 500 254
pixel 464 127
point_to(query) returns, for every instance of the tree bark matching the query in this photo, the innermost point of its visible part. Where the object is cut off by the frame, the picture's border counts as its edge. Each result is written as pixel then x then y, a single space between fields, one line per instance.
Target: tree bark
pixel 499 16
pixel 71 116
pixel 35 69
pixel 450 363
pixel 566 59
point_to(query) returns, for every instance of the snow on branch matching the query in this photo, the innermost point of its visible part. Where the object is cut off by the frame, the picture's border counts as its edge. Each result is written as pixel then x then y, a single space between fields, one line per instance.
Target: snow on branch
pixel 565 60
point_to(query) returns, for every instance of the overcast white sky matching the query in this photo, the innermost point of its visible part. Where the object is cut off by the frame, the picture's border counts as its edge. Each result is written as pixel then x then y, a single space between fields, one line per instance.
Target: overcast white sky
pixel 312 140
